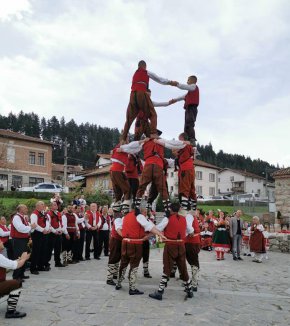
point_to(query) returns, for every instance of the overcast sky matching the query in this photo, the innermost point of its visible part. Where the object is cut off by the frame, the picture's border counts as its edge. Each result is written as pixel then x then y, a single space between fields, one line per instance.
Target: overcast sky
pixel 75 58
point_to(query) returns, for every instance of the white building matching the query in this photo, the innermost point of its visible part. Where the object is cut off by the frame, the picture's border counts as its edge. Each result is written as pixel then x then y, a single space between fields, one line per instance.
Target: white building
pixel 239 182
pixel 206 179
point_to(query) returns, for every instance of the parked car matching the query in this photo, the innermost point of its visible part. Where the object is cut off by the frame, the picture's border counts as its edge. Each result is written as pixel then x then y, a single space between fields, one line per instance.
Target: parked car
pixel 43 187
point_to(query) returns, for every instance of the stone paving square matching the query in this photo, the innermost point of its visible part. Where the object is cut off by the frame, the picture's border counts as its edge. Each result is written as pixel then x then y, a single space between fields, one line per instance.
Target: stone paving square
pixel 230 293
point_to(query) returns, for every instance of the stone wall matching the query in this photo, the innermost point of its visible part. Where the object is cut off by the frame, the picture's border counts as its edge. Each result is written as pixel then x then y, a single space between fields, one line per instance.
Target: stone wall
pixel 279 242
pixel 282 194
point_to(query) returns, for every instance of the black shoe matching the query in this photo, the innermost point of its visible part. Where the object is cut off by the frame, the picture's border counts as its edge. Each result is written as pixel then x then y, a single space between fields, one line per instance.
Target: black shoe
pixel 172 275
pixel 147 275
pixel 34 272
pixel 111 282
pixel 25 277
pixel 15 314
pixel 74 262
pixel 235 258
pixel 240 258
pixel 97 258
pixel 249 255
pixel 156 295
pixel 135 292
pixel 189 294
pixel 245 254
pixel 115 277
pixel 194 289
pixel 88 258
pixel 118 286
pixel 59 265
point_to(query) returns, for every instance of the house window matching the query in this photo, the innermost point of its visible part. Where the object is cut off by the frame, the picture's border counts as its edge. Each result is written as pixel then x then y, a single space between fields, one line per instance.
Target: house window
pixel 16 181
pixel 198 175
pixel 31 157
pixel 211 191
pixel 212 177
pixel 232 178
pixel 199 190
pixel 40 158
pixel 10 155
pixel 34 181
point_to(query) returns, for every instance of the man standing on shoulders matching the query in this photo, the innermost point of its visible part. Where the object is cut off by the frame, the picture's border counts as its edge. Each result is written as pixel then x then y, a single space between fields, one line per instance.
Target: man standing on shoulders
pixel 11 287
pixel 20 233
pixel 191 102
pixel 236 225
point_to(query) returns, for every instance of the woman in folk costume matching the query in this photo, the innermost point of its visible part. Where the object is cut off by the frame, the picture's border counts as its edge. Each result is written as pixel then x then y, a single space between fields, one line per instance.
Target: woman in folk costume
pixel 257 241
pixel 246 240
pixel 221 241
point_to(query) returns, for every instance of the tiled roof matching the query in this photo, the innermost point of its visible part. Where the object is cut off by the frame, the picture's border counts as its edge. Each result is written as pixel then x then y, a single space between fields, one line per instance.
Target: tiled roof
pixel 204 164
pixel 17 135
pixel 70 168
pixel 245 173
pixel 281 173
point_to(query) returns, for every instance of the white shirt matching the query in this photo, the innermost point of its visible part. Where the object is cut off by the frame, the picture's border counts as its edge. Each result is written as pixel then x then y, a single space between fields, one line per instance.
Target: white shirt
pixel 157 104
pixel 118 222
pixel 7 263
pixel 132 148
pixel 4 233
pixel 205 233
pixel 189 219
pixel 158 79
pixel 147 225
pixel 172 144
pixel 19 226
pixel 106 226
pixel 64 224
pixel 34 219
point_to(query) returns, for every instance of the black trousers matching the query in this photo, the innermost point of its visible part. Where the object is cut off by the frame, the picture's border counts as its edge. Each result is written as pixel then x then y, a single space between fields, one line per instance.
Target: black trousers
pixel 146 251
pixel 9 248
pixel 39 250
pixel 189 123
pixel 54 244
pixel 134 184
pixel 80 244
pixel 104 237
pixel 19 247
pixel 89 236
pixel 70 245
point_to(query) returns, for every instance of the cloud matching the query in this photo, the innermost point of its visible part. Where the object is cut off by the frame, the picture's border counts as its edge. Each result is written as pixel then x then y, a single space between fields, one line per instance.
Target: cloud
pixel 14 9
pixel 76 58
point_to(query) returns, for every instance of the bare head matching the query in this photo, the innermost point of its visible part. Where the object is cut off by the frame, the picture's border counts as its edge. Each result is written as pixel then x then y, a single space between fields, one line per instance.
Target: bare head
pixel 22 209
pixel 256 219
pixel 191 80
pixel 40 206
pixel 93 207
pixel 238 213
pixel 183 136
pixel 53 206
pixel 3 220
pixel 105 210
pixel 142 64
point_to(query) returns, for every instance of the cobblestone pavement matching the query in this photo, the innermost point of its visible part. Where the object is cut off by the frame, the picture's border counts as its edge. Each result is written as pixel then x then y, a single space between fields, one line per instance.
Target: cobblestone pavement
pixel 230 293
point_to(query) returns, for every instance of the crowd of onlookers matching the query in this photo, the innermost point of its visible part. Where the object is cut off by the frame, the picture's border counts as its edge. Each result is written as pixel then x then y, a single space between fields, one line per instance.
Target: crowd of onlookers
pixel 229 233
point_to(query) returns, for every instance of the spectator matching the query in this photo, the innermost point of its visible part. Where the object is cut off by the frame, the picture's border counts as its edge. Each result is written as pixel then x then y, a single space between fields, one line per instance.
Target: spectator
pixel 104 233
pixel 257 241
pixel 57 198
pixel 221 241
pixel 11 287
pixel 4 237
pixel 236 226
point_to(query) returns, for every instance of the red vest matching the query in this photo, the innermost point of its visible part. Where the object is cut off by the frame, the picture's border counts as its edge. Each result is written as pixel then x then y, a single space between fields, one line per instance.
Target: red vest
pixel 114 233
pixel 80 225
pixel 131 228
pixel 185 159
pixel 196 237
pixel 71 222
pixel 132 167
pixel 153 153
pixel 41 218
pixel 2 274
pixel 104 220
pixel 176 228
pixel 5 229
pixel 140 81
pixel 122 157
pixel 14 233
pixel 192 98
pixel 55 219
pixel 90 216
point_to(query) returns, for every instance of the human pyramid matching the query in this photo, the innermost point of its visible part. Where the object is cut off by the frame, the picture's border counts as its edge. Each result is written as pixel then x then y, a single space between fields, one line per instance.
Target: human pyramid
pixel 179 229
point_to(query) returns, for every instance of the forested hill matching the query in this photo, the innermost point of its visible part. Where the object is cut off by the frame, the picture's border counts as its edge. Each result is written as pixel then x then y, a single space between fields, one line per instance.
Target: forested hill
pixel 87 139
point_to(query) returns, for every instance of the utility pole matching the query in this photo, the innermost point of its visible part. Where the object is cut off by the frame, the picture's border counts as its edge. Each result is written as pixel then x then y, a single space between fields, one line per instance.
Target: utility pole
pixel 65 163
